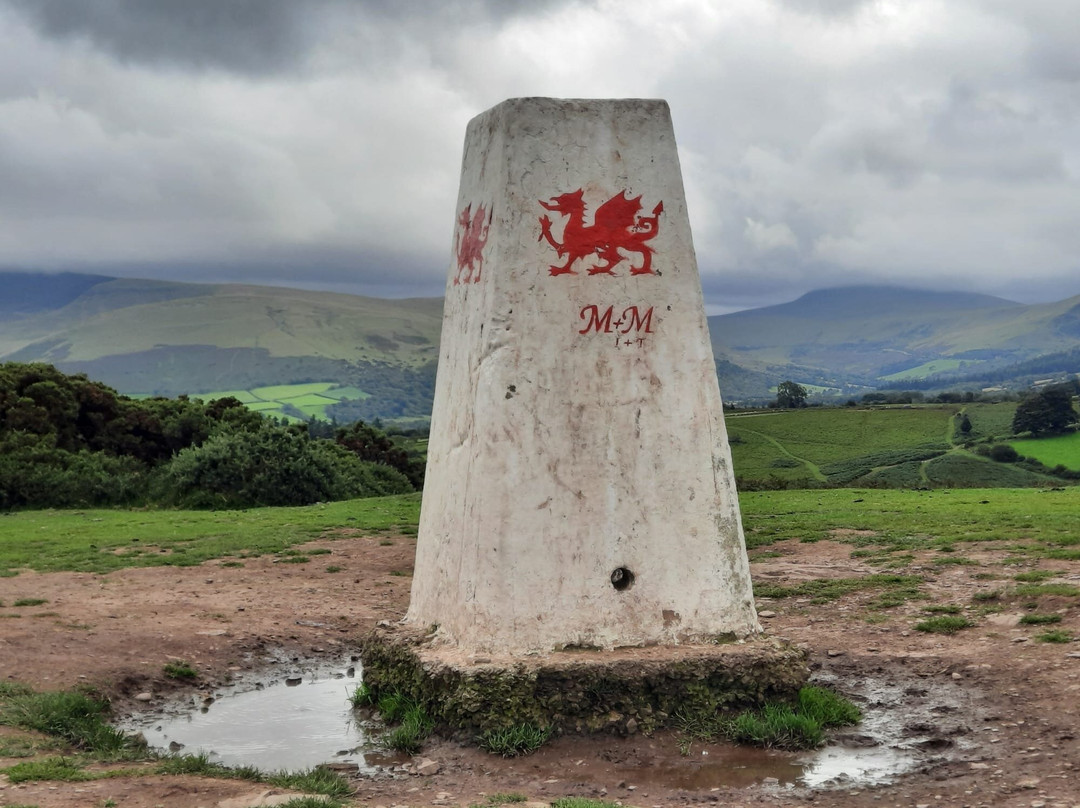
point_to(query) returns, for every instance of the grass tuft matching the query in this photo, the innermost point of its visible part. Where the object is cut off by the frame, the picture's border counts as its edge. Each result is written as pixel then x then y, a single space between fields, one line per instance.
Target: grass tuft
pixel 1040 619
pixel 74 717
pixel 521 739
pixel 180 670
pixel 827 708
pixel 318 780
pixel 53 768
pixel 1054 635
pixel 776 726
pixel 363 696
pixel 1038 590
pixel 945 624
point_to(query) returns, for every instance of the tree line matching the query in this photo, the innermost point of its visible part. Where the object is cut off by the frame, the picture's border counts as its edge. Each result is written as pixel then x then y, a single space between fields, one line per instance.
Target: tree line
pixel 68 441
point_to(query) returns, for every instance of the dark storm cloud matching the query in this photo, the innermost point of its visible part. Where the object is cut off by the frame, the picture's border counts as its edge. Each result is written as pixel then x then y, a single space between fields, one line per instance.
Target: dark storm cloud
pixel 251 37
pixel 247 36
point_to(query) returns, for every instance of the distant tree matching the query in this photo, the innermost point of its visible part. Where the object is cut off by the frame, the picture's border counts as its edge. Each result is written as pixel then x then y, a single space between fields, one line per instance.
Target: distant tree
pixel 965 424
pixel 789 394
pixel 372 444
pixel 1049 411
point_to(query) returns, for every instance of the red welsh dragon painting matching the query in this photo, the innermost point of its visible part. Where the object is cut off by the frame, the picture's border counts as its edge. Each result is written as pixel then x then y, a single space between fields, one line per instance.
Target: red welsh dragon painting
pixel 470 238
pixel 618 232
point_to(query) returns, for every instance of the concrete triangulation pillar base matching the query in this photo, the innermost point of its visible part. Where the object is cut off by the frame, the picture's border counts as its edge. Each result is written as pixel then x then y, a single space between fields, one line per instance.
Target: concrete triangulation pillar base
pixel 579 486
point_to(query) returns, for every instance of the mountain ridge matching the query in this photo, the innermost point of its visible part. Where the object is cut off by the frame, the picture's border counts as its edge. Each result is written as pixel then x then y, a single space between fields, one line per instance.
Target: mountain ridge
pixel 164 337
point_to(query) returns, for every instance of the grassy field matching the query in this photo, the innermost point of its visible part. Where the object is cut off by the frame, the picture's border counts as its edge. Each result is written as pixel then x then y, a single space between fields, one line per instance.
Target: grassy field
pixel 893 447
pixel 106 540
pixel 1063 450
pixel 927 369
pixel 1029 523
pixel 311 399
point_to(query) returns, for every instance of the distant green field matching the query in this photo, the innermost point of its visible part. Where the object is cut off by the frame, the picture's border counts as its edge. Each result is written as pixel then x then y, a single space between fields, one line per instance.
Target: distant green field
pixel 928 369
pixel 311 399
pixel 820 444
pixel 894 447
pixel 1060 451
pixel 991 420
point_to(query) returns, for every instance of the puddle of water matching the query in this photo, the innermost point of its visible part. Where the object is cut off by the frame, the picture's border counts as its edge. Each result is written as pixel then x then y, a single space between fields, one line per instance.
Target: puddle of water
pixel 715 766
pixel 289 725
pixel 304 720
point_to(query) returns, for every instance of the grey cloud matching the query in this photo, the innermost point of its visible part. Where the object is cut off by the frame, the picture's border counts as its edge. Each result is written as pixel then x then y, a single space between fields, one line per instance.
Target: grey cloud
pixel 259 37
pixel 246 36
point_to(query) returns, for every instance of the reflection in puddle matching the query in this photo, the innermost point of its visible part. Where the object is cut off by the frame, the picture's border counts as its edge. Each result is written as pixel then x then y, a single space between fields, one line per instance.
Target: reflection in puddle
pixel 291 726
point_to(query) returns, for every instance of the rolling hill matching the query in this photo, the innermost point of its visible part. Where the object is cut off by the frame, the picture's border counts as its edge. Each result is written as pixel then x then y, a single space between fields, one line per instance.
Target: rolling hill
pixel 859 338
pixel 160 338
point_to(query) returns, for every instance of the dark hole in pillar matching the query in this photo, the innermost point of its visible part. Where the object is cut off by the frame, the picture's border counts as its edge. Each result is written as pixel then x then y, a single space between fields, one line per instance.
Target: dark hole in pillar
pixel 622 579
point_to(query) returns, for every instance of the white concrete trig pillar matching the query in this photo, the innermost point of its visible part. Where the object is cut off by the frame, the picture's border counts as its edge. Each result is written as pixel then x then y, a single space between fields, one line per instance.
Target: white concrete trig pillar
pixel 579 486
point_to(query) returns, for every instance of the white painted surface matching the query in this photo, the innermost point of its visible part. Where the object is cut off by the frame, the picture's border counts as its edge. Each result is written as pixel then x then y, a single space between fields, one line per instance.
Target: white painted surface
pixel 565 445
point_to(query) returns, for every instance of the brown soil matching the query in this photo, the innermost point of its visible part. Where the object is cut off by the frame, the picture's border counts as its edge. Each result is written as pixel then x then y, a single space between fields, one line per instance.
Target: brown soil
pixel 989 714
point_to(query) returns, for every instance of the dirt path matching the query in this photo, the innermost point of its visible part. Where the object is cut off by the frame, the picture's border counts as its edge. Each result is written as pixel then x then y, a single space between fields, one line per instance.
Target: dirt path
pixel 988 716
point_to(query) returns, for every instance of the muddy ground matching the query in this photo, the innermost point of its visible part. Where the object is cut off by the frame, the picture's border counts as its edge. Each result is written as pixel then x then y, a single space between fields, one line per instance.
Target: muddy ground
pixel 986 717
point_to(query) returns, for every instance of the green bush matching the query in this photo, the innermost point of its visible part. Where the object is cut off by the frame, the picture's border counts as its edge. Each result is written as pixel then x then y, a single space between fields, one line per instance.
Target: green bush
pixel 271 466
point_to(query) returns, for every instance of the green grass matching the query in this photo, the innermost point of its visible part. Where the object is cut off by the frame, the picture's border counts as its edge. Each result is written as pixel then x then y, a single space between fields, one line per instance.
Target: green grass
pixel 179 670
pixel 29 602
pixel 1054 635
pixel 1034 576
pixel 990 420
pixel 827 708
pixel 1040 619
pixel 823 590
pixel 520 739
pixel 840 443
pixel 504 798
pixel 776 724
pixel 906 521
pixel 894 447
pixel 74 717
pixel 52 768
pixel 944 624
pixel 106 540
pixel 1042 590
pixel 408 724
pixel 1063 450
pixel 318 780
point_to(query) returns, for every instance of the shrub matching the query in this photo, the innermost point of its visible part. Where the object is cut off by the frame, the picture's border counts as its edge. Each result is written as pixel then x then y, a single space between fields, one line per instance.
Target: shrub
pixel 1003 453
pixel 271 466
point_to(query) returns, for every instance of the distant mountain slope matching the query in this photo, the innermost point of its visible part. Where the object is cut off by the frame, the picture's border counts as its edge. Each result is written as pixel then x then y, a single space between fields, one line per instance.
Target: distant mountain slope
pixel 156 337
pixel 23 293
pixel 153 337
pixel 858 335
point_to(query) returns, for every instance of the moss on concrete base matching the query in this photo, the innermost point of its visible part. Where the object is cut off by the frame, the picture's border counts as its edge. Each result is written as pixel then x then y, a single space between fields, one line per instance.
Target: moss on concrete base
pixel 623 691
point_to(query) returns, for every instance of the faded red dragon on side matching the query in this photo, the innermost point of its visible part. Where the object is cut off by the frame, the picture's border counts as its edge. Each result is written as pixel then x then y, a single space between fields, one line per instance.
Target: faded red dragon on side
pixel 617 228
pixel 471 237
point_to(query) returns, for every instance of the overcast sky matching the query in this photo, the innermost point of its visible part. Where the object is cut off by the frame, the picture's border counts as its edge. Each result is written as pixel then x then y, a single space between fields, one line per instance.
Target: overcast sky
pixel 317 143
